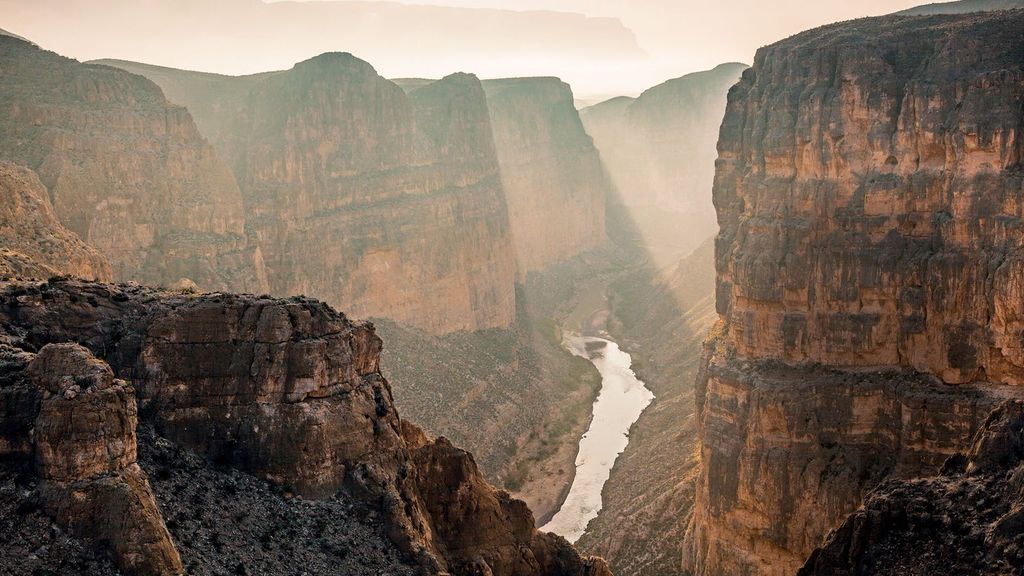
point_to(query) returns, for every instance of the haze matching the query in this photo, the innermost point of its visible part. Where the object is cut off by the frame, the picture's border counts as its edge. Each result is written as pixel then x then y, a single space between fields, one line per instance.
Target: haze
pixel 602 48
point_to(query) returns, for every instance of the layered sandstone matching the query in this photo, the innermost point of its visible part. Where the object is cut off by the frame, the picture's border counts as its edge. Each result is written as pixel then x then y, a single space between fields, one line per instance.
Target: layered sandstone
pixel 869 196
pixel 64 409
pixel 124 170
pixel 555 185
pixel 659 150
pixel 968 520
pixel 362 195
pixel 35 244
pixel 286 390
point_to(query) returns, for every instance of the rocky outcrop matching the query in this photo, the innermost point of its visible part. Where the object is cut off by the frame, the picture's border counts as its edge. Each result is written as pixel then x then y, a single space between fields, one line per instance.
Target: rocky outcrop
pixel 362 195
pixel 966 520
pixel 287 390
pixel 63 408
pixel 868 189
pixel 124 170
pixel 35 244
pixel 482 529
pixel 85 452
pixel 659 150
pixel 555 185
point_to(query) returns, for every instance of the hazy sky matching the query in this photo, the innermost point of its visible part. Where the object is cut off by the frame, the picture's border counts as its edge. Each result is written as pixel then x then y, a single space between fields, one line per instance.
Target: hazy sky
pixel 656 40
pixel 688 35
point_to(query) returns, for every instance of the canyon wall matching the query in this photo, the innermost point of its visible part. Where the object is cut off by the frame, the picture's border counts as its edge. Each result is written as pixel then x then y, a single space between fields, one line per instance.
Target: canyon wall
pixel 555 185
pixel 659 150
pixel 125 171
pixel 383 203
pixel 286 390
pixel 869 192
pixel 34 243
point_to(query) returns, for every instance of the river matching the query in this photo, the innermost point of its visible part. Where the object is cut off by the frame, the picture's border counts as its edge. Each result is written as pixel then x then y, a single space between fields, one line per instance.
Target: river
pixel 619 404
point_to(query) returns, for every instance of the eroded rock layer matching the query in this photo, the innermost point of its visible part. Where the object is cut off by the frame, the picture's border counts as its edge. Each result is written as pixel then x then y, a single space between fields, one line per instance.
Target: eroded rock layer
pixel 63 408
pixel 968 520
pixel 869 192
pixel 362 195
pixel 286 390
pixel 34 243
pixel 124 170
pixel 555 185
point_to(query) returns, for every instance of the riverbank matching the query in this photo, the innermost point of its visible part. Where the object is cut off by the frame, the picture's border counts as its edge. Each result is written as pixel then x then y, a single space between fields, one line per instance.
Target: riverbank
pixel 650 490
pixel 622 400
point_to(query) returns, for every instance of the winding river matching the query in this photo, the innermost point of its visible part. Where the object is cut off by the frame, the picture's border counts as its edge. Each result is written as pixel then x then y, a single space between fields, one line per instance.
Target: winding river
pixel 621 400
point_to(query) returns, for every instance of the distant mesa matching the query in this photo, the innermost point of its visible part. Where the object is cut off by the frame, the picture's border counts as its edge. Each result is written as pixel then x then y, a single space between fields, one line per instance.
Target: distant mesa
pixel 962 7
pixel 12 35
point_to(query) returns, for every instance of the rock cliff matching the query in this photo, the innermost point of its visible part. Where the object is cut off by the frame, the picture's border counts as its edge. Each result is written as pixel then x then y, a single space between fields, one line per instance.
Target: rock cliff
pixel 35 244
pixel 362 195
pixel 868 188
pixel 286 390
pixel 124 170
pixel 659 150
pixel 555 185
pixel 968 520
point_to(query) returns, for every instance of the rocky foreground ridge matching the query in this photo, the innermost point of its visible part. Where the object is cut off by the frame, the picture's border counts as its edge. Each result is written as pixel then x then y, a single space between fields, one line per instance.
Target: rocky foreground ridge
pixel 288 391
pixel 869 192
pixel 968 520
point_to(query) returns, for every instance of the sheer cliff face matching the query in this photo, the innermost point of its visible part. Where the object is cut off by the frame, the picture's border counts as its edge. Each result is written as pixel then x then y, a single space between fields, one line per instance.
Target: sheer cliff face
pixel 659 150
pixel 869 194
pixel 383 203
pixel 555 185
pixel 869 199
pixel 35 244
pixel 287 390
pixel 125 171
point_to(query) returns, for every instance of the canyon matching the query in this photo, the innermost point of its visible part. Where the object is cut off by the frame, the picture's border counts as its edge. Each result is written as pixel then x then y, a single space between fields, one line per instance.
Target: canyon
pixel 224 300
pixel 367 193
pixel 868 188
